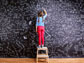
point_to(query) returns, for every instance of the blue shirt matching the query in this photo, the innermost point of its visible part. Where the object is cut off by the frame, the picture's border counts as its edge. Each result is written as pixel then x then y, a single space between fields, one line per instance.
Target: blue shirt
pixel 40 23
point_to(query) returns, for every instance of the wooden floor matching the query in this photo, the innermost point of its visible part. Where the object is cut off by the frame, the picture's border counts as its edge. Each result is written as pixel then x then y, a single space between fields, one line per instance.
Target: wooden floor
pixel 33 60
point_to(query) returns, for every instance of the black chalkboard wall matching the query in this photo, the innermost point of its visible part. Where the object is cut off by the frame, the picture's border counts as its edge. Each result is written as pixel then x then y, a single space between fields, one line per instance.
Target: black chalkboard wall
pixel 64 28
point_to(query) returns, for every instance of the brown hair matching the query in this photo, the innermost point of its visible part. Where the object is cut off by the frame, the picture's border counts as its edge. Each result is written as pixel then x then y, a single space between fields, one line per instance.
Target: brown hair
pixel 40 14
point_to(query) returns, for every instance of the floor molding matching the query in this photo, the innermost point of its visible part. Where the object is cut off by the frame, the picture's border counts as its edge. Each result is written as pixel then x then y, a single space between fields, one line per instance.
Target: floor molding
pixel 33 60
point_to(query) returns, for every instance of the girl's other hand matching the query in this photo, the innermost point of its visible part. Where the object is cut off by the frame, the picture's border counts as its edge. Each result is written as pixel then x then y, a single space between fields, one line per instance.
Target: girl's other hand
pixel 36 30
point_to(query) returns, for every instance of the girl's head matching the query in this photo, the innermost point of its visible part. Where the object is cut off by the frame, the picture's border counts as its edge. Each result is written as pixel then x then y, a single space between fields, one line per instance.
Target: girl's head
pixel 40 14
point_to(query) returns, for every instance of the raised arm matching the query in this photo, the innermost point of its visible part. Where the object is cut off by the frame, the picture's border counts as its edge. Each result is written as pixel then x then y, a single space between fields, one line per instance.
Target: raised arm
pixel 45 12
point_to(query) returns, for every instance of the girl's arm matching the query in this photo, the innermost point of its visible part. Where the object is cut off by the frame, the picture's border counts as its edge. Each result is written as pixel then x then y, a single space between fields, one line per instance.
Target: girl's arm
pixel 45 12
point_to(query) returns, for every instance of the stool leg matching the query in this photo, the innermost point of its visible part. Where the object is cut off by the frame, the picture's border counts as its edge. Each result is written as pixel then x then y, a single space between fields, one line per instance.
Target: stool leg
pixel 36 60
pixel 48 60
pixel 37 57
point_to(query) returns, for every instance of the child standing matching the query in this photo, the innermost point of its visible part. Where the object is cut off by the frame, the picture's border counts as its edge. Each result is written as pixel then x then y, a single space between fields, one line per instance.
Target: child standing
pixel 40 29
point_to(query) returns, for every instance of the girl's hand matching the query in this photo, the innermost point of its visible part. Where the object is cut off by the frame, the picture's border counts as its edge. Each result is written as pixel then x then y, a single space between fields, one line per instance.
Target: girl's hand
pixel 45 12
pixel 43 9
pixel 36 30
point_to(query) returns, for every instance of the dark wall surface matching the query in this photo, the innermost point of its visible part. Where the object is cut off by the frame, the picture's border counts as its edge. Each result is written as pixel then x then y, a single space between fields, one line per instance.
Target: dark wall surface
pixel 64 28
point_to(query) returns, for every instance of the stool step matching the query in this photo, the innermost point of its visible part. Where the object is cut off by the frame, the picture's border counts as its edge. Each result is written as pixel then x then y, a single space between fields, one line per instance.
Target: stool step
pixel 42 56
pixel 44 48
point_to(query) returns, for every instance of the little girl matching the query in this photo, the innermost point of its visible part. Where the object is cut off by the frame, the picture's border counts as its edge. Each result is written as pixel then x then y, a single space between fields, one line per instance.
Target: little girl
pixel 40 29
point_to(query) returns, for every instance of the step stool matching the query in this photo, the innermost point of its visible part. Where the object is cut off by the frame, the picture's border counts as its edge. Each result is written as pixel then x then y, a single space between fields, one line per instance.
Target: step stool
pixel 42 56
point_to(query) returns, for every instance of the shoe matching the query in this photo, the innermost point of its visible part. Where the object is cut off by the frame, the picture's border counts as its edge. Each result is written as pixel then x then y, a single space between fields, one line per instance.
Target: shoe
pixel 42 46
pixel 39 46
